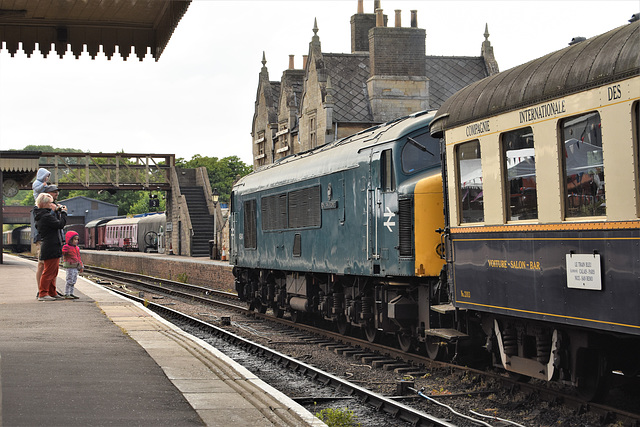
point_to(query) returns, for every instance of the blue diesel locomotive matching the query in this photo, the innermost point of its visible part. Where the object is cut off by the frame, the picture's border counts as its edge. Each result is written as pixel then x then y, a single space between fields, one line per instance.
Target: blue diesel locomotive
pixel 332 231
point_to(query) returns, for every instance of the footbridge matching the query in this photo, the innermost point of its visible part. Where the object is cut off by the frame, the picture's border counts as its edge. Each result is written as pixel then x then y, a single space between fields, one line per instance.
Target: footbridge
pixel 188 232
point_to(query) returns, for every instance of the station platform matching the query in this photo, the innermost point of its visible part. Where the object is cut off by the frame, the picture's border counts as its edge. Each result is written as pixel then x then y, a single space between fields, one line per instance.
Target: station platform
pixel 106 360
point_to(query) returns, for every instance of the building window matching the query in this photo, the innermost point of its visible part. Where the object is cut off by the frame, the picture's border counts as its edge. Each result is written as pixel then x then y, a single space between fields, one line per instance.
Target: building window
pixel 312 132
pixel 470 197
pixel 583 166
pixel 519 171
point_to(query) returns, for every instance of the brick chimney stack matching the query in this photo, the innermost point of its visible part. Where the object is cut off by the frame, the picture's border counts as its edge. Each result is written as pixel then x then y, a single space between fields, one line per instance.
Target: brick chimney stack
pixel 398 83
pixel 379 18
pixel 361 23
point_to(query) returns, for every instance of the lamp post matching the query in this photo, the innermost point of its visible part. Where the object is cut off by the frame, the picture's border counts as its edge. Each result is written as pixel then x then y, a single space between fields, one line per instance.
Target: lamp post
pixel 215 196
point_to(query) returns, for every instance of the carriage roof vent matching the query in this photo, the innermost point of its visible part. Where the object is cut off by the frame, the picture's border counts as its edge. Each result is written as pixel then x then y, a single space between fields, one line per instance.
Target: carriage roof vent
pixel 576 40
pixel 634 17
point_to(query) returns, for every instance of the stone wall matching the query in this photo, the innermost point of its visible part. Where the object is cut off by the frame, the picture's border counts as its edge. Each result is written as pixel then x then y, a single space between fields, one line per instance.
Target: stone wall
pixel 195 271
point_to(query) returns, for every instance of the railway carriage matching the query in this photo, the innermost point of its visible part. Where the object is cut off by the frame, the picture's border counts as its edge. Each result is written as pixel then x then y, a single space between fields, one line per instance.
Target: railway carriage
pixel 95 233
pixel 122 234
pixel 542 195
pixel 18 239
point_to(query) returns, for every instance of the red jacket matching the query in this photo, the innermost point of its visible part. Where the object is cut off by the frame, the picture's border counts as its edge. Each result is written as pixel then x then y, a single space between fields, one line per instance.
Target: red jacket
pixel 71 254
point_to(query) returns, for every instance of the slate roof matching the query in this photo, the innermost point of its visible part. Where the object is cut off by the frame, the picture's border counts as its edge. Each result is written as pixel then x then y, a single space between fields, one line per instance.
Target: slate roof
pixel 275 93
pixel 349 74
pixel 449 74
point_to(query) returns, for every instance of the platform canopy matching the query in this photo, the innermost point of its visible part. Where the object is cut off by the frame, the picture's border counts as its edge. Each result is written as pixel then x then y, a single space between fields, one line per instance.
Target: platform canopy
pixel 57 24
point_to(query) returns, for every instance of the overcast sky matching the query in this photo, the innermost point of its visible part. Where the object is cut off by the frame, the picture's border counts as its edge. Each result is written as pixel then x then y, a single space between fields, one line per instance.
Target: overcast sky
pixel 199 97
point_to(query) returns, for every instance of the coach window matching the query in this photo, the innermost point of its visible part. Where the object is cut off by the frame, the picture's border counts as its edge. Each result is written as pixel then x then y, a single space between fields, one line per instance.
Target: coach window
pixel 386 175
pixel 519 171
pixel 470 195
pixel 583 167
pixel 636 124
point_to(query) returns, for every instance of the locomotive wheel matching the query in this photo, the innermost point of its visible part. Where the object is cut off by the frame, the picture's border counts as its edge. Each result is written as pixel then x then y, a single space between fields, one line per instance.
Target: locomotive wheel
pixel 405 341
pixel 261 308
pixel 434 350
pixel 343 325
pixel 277 311
pixel 371 332
pixel 296 316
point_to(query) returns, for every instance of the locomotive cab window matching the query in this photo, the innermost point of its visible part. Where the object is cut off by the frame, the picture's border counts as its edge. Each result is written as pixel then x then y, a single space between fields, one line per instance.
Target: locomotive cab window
pixel 387 174
pixel 419 153
pixel 470 196
pixel 583 166
pixel 519 171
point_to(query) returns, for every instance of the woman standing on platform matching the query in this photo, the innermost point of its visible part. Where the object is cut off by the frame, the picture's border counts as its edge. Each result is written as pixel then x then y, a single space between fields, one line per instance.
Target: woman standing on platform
pixel 49 226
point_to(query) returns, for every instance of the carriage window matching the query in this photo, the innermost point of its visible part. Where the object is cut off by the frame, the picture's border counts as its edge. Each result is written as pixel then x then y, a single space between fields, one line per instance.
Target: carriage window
pixel 250 225
pixel 419 153
pixel 583 167
pixel 386 175
pixel 636 112
pixel 519 171
pixel 470 182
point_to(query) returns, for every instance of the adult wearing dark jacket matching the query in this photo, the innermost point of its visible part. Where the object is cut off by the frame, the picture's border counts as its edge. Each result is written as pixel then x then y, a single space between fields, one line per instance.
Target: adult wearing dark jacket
pixel 49 226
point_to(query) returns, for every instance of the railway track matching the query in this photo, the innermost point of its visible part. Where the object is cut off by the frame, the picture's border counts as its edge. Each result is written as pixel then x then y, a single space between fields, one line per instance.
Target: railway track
pixel 378 355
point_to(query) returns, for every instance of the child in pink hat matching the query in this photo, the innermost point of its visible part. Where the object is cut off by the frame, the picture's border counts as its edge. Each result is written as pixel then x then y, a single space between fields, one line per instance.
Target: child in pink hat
pixel 72 262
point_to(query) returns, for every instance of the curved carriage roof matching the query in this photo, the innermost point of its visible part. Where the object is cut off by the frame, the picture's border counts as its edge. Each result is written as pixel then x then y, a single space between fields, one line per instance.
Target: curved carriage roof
pixel 97 222
pixel 157 218
pixel 606 58
pixel 123 221
pixel 330 158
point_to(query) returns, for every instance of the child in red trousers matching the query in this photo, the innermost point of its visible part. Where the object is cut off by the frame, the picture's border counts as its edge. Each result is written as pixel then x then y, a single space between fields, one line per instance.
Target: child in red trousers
pixel 72 262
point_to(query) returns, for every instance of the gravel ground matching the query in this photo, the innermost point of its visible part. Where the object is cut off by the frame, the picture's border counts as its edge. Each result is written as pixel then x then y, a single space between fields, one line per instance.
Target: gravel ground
pixel 486 398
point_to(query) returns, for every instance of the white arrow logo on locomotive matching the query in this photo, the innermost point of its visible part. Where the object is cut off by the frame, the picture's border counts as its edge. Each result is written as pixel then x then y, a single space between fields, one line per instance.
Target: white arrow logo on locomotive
pixel 389 215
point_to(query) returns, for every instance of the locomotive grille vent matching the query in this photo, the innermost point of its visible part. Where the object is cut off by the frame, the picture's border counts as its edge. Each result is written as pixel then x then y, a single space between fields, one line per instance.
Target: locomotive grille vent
pixel 274 212
pixel 250 224
pixel 304 207
pixel 405 222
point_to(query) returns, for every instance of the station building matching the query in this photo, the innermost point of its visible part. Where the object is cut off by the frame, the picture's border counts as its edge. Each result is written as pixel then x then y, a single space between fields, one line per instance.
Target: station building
pixel 387 75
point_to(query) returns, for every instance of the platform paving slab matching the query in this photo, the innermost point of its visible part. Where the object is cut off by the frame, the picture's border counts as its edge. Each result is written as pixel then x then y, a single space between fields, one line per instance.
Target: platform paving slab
pixel 105 360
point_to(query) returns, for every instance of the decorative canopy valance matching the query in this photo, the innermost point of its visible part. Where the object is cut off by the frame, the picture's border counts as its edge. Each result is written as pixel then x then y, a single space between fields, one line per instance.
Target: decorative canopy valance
pixel 59 24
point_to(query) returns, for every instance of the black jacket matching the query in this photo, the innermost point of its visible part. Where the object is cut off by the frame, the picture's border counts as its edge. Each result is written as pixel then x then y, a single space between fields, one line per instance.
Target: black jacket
pixel 48 225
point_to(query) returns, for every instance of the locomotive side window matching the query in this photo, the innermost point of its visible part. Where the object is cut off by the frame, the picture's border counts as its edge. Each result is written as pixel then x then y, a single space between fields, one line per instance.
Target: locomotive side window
pixel 386 174
pixel 583 167
pixel 250 225
pixel 470 195
pixel 519 171
pixel 419 153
